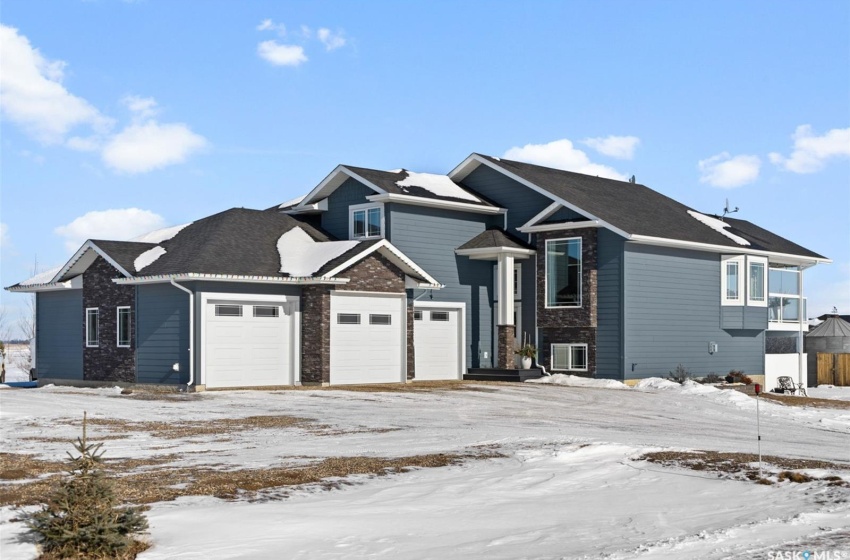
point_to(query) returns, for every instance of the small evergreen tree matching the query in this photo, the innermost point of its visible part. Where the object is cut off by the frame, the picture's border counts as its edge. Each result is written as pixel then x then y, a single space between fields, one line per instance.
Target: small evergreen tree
pixel 82 518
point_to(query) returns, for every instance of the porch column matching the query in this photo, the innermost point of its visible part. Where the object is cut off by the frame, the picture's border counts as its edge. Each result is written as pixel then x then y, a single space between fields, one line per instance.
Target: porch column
pixel 505 311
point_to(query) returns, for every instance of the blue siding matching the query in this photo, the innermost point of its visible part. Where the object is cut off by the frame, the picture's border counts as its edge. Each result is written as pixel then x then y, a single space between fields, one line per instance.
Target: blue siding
pixel 743 317
pixel 162 334
pixel 335 219
pixel 59 334
pixel 522 204
pixel 672 312
pixel 430 237
pixel 609 336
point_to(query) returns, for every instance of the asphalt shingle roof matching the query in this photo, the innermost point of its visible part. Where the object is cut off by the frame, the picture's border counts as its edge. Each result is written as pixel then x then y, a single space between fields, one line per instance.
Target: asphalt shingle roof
pixel 387 180
pixel 238 241
pixel 637 209
pixel 124 252
pixel 495 237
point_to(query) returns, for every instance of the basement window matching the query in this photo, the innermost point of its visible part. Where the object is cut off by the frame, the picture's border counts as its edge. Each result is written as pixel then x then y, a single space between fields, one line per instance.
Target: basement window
pixel 348 318
pixel 569 357
pixel 380 319
pixel 123 327
pixel 92 326
pixel 228 310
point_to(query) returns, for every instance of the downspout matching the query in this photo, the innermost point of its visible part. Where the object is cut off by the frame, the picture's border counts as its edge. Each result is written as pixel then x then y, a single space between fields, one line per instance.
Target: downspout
pixel 802 317
pixel 191 332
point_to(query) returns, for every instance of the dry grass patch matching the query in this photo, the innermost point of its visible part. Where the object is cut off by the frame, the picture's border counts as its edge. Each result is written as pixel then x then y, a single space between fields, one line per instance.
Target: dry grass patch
pixel 14 466
pixel 738 466
pixel 806 401
pixel 187 428
pixel 415 387
pixel 165 484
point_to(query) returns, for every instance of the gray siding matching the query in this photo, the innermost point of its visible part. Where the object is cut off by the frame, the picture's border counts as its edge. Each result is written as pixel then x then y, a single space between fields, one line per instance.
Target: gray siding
pixel 335 219
pixel 59 334
pixel 609 335
pixel 430 237
pixel 672 312
pixel 743 317
pixel 162 334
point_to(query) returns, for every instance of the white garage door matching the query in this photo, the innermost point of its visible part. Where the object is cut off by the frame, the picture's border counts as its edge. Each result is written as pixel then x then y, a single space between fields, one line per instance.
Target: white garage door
pixel 367 339
pixel 247 344
pixel 436 339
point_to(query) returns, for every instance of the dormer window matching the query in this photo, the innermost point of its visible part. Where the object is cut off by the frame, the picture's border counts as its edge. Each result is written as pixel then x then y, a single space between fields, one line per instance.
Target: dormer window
pixel 366 221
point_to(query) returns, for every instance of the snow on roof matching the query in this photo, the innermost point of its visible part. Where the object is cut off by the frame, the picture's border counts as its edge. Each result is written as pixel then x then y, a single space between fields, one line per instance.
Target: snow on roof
pixel 440 185
pixel 42 277
pixel 160 235
pixel 148 257
pixel 292 202
pixel 719 226
pixel 300 255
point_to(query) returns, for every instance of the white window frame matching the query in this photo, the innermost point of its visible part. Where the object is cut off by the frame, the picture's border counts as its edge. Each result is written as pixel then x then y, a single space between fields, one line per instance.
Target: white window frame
pixel 118 327
pixel 365 207
pixel 763 262
pixel 96 343
pixel 546 274
pixel 741 262
pixel 569 348
pixel 517 281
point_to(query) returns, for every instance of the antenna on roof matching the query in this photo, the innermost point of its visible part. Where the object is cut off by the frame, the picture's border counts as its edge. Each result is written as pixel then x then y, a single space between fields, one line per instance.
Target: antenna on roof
pixel 726 210
pixel 632 180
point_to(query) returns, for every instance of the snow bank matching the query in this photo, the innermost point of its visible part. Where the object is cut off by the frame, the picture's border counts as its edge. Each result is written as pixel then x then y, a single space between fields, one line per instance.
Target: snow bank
pixel 440 185
pixel 160 235
pixel 719 226
pixel 689 387
pixel 657 384
pixel 42 277
pixel 148 257
pixel 300 255
pixel 574 381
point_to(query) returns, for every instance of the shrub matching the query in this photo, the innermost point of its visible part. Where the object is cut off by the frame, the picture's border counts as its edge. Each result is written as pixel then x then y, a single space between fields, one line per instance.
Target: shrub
pixel 711 378
pixel 82 518
pixel 740 377
pixel 680 374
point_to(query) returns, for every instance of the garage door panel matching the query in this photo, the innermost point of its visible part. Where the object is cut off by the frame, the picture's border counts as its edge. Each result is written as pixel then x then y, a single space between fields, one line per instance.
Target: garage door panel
pixel 437 344
pixel 247 351
pixel 366 352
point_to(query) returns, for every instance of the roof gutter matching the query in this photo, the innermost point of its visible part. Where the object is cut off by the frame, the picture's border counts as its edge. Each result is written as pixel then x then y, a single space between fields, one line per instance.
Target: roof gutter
pixel 191 332
pixel 435 203
pixel 189 276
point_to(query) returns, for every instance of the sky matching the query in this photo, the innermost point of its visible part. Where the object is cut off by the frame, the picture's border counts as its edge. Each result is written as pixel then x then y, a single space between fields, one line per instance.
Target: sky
pixel 120 117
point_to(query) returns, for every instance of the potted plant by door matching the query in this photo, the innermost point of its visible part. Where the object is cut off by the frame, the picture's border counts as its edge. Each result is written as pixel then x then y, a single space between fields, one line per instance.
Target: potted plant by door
pixel 527 352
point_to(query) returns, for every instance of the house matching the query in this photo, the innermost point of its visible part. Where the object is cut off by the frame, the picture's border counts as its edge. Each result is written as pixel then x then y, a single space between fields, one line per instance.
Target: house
pixel 391 276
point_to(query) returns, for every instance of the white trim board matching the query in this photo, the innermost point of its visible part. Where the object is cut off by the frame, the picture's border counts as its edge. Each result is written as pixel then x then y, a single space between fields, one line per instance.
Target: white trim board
pixel 394 255
pixel 333 181
pixel 436 203
pixel 784 258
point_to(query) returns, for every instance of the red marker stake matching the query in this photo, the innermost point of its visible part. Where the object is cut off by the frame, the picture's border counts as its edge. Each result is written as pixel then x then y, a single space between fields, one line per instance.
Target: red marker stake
pixel 758 425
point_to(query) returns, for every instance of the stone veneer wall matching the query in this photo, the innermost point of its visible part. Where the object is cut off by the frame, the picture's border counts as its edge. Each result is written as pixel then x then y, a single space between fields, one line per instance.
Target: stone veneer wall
pixel 373 274
pixel 108 362
pixel 569 325
pixel 507 336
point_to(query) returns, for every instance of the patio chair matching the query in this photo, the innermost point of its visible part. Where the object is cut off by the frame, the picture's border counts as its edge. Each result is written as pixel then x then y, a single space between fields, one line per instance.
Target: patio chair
pixel 787 385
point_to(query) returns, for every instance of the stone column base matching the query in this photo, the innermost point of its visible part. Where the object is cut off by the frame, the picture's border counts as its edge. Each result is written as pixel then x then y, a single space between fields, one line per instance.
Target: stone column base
pixel 507 336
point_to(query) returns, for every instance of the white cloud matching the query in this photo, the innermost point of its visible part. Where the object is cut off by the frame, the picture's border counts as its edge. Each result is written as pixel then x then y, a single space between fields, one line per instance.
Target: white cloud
pixel 143 147
pixel 33 94
pixel 811 152
pixel 141 107
pixel 561 154
pixel 281 55
pixel 269 25
pixel 727 172
pixel 331 40
pixel 5 240
pixel 620 147
pixel 117 224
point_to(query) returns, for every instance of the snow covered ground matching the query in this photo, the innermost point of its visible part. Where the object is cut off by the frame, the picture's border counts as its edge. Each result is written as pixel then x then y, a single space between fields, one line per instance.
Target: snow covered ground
pixel 570 484
pixel 16 356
